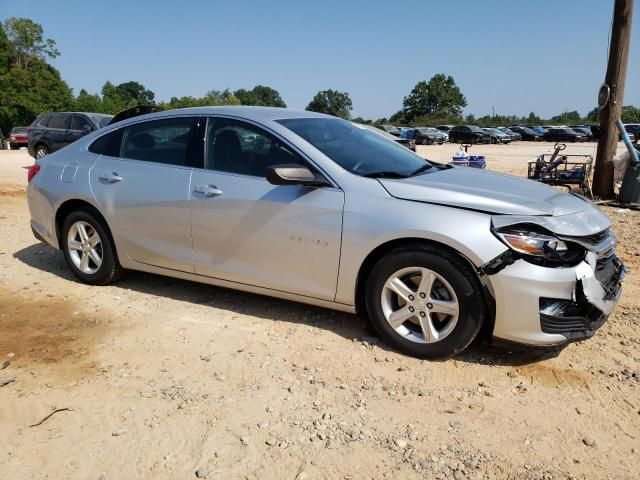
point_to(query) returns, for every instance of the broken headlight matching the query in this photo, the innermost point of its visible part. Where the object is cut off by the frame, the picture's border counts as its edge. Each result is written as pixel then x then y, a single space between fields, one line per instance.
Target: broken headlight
pixel 540 247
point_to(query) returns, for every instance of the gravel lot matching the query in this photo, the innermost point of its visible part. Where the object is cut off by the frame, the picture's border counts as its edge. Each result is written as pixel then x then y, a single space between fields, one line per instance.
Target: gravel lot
pixel 164 378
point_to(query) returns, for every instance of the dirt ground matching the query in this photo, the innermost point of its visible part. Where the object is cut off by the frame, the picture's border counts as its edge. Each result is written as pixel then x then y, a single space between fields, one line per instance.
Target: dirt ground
pixel 163 378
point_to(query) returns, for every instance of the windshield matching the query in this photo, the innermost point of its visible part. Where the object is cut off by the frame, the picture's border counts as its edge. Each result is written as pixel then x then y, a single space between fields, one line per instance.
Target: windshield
pixel 355 148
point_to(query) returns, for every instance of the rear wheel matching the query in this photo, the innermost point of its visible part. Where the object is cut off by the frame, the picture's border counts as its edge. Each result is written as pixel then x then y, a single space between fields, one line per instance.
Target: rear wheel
pixel 425 302
pixel 89 248
pixel 41 151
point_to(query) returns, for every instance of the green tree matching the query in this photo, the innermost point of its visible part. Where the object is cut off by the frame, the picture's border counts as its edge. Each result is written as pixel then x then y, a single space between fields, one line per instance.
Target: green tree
pixel 112 102
pixel 260 96
pixel 27 42
pixel 331 102
pixel 28 85
pixel 4 51
pixel 533 119
pixel 26 93
pixel 438 97
pixel 567 117
pixel 134 94
pixel 630 114
pixel 594 115
pixel 85 102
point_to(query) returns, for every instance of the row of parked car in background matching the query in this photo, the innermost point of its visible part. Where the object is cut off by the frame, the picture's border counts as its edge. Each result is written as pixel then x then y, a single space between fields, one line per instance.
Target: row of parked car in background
pixel 51 131
pixel 475 134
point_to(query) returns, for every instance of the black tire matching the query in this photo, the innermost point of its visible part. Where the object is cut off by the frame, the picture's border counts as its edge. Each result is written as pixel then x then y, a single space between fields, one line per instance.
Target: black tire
pixel 13 147
pixel 493 140
pixel 110 270
pixel 472 307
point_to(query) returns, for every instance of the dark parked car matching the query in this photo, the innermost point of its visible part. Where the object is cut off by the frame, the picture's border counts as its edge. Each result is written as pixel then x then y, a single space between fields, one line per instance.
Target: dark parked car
pixel 583 130
pixel 596 131
pixel 405 142
pixel 444 128
pixel 515 136
pixel 633 129
pixel 18 137
pixel 563 134
pixel 497 136
pixel 526 133
pixel 429 136
pixel 390 129
pixel 52 131
pixel 468 134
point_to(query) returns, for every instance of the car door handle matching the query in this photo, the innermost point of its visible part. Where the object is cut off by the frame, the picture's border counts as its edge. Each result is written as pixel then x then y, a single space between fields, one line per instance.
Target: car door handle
pixel 111 177
pixel 209 190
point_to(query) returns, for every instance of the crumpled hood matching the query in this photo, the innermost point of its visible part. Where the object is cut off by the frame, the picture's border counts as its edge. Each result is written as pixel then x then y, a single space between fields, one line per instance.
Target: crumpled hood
pixel 491 192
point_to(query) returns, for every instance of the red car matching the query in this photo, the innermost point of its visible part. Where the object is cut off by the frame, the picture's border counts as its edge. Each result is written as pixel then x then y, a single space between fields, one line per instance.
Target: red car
pixel 18 137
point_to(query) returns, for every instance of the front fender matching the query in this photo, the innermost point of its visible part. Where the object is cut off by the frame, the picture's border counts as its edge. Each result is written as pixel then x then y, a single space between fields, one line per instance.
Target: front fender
pixel 370 222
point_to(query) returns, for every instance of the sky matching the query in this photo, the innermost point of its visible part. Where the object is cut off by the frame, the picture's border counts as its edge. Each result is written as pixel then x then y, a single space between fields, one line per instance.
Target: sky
pixel 545 56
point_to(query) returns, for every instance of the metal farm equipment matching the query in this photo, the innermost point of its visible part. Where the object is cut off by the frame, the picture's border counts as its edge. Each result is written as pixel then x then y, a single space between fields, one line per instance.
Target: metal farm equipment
pixel 570 171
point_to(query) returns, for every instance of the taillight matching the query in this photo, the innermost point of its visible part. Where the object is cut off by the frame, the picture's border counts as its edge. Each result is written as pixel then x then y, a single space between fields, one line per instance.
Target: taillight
pixel 32 171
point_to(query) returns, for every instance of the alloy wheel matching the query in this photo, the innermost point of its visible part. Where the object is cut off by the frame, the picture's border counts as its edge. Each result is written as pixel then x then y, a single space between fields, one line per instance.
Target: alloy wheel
pixel 420 305
pixel 85 247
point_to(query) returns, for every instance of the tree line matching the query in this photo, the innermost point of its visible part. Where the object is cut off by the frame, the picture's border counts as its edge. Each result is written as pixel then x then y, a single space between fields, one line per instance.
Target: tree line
pixel 29 86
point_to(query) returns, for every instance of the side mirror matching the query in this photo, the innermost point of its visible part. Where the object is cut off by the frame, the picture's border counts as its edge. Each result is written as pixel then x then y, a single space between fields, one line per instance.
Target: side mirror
pixel 87 129
pixel 293 174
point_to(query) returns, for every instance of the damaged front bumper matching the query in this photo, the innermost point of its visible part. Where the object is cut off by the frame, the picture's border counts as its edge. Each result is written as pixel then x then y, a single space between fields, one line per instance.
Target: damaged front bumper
pixel 544 306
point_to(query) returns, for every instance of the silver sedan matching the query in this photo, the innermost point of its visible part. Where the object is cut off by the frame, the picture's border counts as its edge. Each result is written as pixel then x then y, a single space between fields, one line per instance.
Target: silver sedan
pixel 316 209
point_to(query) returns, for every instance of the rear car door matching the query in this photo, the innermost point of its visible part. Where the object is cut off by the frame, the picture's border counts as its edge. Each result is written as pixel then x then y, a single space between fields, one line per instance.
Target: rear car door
pixel 141 183
pixel 247 230
pixel 59 131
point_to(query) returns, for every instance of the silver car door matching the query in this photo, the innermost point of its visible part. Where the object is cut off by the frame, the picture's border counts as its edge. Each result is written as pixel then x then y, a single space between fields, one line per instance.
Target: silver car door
pixel 144 191
pixel 247 230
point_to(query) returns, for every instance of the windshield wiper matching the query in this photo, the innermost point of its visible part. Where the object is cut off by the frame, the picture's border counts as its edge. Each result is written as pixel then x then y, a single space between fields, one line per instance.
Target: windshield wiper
pixel 384 174
pixel 421 169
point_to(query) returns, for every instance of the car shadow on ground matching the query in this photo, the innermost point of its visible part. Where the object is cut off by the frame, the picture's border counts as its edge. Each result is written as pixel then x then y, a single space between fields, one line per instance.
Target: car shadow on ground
pixel 352 327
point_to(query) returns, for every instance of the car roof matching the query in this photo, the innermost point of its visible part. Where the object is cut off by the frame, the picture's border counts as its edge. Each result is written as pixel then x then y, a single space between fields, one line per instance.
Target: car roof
pixel 76 113
pixel 258 114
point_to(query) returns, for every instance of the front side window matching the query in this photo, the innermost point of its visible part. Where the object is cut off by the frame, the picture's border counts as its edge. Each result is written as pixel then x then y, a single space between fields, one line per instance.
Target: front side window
pixel 237 147
pixel 159 141
pixel 79 123
pixel 357 149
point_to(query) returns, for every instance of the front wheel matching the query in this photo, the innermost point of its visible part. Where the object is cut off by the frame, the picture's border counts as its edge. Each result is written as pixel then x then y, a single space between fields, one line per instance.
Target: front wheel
pixel 425 301
pixel 89 248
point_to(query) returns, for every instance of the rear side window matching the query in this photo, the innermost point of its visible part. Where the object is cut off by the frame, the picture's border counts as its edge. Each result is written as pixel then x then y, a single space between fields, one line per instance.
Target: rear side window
pixel 108 144
pixel 62 122
pixel 160 141
pixel 79 122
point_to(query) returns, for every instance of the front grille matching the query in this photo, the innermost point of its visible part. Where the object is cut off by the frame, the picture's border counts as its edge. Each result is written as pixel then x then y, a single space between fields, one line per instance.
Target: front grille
pixel 565 316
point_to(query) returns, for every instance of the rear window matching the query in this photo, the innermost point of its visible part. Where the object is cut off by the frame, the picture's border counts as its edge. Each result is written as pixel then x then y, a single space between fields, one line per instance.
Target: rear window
pixel 108 144
pixel 44 121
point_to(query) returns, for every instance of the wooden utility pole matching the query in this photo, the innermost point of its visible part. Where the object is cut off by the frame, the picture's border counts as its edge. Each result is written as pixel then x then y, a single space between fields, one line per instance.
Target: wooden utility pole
pixel 609 114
